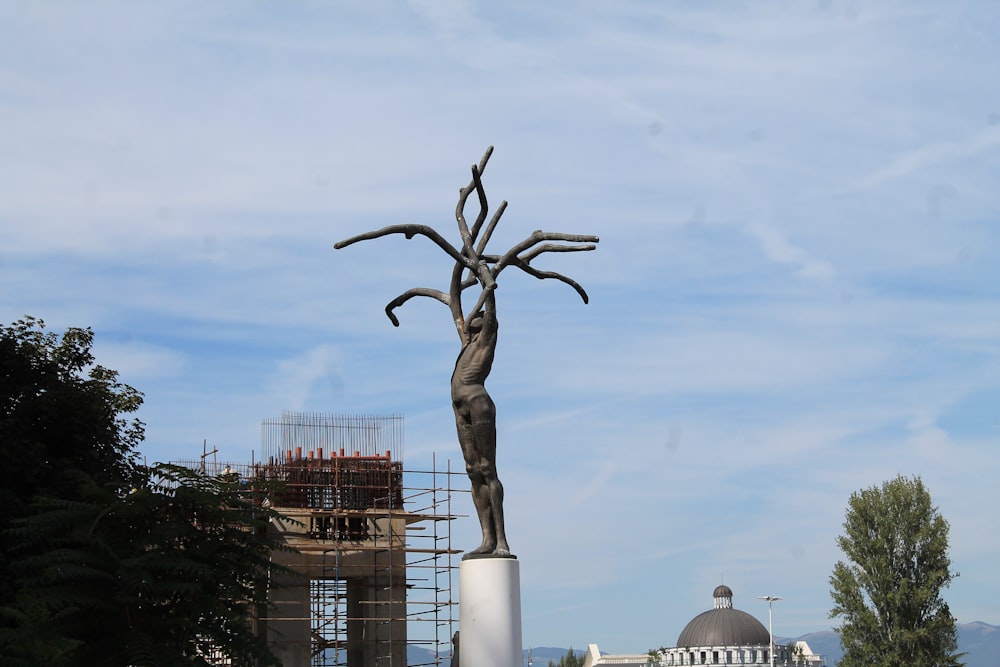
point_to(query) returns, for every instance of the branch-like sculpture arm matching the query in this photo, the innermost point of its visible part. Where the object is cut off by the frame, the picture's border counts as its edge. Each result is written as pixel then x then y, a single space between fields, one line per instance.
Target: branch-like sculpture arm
pixel 542 275
pixel 550 247
pixel 480 270
pixel 468 237
pixel 409 231
pixel 537 237
pixel 527 246
pixel 409 294
pixel 481 246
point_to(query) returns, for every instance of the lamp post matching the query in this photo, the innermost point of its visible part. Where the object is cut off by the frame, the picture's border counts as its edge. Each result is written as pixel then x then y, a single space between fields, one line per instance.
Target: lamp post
pixel 770 633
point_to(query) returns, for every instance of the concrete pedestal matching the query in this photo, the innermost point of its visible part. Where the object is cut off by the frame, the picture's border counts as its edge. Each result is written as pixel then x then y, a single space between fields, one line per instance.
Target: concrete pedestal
pixel 490 613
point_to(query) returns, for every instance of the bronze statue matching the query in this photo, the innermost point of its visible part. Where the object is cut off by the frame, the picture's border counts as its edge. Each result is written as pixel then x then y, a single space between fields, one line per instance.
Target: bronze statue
pixel 475 413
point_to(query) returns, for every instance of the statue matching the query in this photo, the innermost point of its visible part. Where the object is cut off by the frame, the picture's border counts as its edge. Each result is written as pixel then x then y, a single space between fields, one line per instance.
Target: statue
pixel 475 412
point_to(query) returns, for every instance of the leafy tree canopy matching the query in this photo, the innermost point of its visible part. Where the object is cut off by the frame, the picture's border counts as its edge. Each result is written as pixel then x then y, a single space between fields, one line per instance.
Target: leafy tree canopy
pixel 62 419
pixel 60 413
pixel 888 593
pixel 104 561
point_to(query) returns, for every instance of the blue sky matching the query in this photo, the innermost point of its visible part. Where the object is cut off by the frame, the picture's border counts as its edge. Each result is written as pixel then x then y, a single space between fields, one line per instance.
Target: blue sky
pixel 795 294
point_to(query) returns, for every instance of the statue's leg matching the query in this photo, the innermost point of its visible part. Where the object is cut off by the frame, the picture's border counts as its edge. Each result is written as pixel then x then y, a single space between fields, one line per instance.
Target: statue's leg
pixel 486 439
pixel 480 487
pixel 496 509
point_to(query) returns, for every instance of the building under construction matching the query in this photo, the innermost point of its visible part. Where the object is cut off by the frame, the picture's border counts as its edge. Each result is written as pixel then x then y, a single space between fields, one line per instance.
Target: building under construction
pixel 371 543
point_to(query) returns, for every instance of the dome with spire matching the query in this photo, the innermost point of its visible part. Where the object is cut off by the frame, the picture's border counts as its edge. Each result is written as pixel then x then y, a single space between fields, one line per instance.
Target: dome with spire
pixel 723 625
pixel 722 636
pixel 723 591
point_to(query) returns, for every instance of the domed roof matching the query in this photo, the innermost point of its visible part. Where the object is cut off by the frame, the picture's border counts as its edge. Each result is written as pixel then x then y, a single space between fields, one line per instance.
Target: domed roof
pixel 722 591
pixel 724 626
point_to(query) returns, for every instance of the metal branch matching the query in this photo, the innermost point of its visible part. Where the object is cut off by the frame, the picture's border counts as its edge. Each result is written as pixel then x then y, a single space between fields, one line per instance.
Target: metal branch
pixel 475 184
pixel 409 294
pixel 481 246
pixel 542 275
pixel 482 268
pixel 455 292
pixel 410 231
pixel 483 160
pixel 549 247
pixel 484 205
pixel 469 282
pixel 537 237
pixel 463 227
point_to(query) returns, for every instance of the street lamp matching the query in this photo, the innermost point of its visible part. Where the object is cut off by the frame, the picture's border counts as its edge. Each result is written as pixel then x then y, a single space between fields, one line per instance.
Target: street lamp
pixel 770 633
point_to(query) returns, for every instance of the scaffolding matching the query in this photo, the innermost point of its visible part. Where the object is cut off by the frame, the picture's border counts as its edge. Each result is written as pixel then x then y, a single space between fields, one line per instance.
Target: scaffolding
pixel 371 543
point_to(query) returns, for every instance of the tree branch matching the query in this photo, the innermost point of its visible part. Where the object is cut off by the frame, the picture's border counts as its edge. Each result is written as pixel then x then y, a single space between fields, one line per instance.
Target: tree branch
pixel 468 237
pixel 481 246
pixel 537 237
pixel 409 294
pixel 549 247
pixel 541 275
pixel 483 269
pixel 411 230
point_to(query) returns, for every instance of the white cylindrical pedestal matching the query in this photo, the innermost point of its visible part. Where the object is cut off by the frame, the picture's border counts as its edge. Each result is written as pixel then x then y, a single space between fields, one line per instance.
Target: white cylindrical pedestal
pixel 489 613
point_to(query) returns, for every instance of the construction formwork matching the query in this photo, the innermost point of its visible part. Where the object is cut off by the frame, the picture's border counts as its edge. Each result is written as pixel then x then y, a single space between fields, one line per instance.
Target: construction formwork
pixel 371 543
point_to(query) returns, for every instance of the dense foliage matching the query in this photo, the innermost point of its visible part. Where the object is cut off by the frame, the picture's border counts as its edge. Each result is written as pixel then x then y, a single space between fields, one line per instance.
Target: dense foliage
pixel 161 576
pixel 61 420
pixel 888 594
pixel 104 561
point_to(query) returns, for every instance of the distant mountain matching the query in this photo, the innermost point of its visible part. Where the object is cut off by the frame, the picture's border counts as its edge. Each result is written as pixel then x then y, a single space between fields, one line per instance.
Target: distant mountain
pixel 979 641
pixel 541 655
pixel 418 655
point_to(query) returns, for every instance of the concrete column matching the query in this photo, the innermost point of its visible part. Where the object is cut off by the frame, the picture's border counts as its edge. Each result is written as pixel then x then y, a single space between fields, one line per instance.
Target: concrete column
pixel 390 621
pixel 288 623
pixel 490 612
pixel 358 591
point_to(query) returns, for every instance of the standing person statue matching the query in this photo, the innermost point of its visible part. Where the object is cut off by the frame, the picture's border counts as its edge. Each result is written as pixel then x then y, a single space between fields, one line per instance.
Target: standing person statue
pixel 476 420
pixel 475 412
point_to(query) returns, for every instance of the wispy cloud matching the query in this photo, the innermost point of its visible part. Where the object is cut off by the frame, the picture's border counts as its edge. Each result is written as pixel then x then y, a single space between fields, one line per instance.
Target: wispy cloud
pixel 929 155
pixel 778 249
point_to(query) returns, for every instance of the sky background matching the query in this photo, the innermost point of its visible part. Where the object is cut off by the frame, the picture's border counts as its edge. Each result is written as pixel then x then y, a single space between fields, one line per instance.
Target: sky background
pixel 796 294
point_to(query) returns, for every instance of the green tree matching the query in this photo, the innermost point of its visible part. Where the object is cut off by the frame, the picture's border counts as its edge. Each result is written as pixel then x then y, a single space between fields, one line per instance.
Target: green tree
pixel 103 561
pixel 164 575
pixel 571 659
pixel 888 594
pixel 62 420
